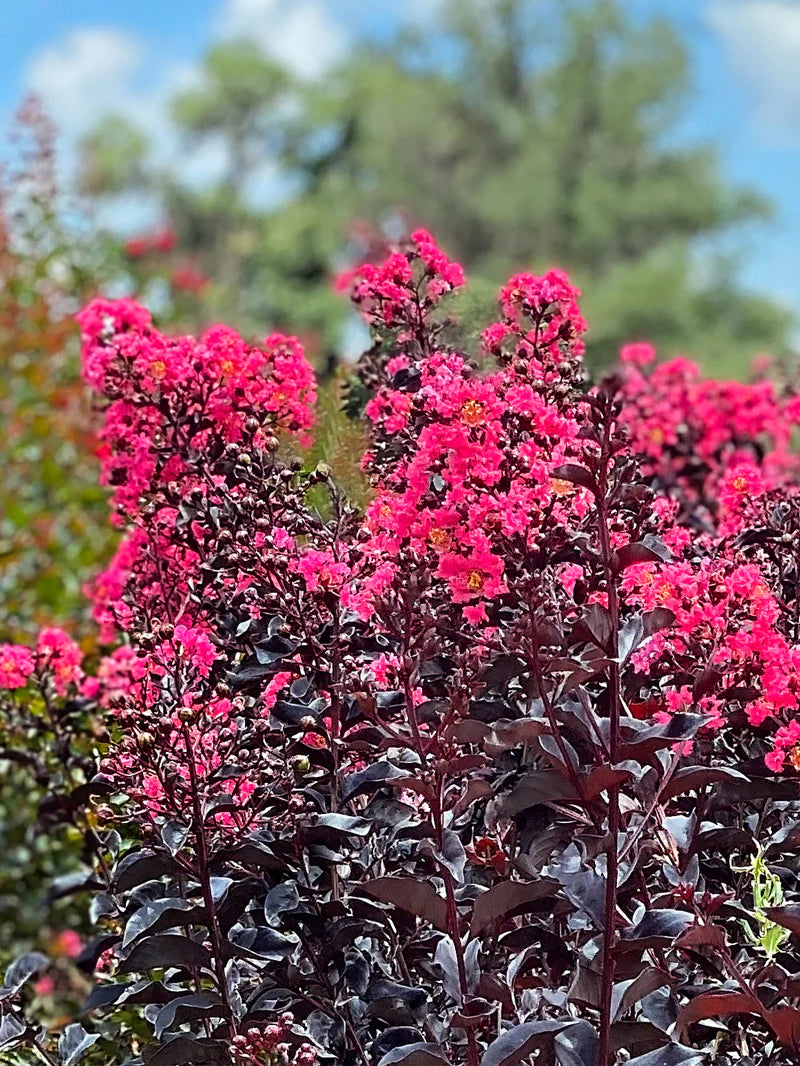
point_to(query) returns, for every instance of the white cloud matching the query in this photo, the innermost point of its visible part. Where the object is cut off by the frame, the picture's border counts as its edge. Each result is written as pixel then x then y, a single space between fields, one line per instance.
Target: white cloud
pixel 762 44
pixel 96 71
pixel 423 13
pixel 93 71
pixel 302 34
pixel 85 74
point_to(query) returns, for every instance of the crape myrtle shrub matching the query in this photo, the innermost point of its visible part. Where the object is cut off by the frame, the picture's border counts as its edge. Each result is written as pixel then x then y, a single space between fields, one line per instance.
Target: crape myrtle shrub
pixel 501 770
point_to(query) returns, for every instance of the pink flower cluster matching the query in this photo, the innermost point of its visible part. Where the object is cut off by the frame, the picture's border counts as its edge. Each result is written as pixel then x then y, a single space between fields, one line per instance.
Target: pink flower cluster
pixel 173 403
pixel 258 1047
pixel 56 660
pixel 403 289
pixel 16 665
pixel 465 460
pixel 213 385
pixel 694 431
pixel 542 316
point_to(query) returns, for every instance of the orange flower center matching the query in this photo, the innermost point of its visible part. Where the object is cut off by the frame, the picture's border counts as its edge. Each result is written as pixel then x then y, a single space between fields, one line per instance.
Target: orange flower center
pixel 794 756
pixel 657 435
pixel 474 580
pixel 472 413
pixel 226 366
pixel 664 593
pixel 158 368
pixel 439 538
pixel 560 487
pixel 740 483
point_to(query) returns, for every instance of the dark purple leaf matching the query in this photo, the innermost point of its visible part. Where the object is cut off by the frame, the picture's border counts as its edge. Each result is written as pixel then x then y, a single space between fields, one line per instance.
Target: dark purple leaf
pixel 188 1049
pixel 417 1054
pixel 174 835
pixel 576 475
pixel 506 900
pixel 657 619
pixel 628 993
pixel 71 883
pixel 705 683
pixel 657 929
pixel 21 970
pixel 188 1009
pixel 373 777
pixel 595 624
pixel 785 1023
pixel 453 856
pixel 138 867
pixel 671 1055
pixel 516 1044
pixel 787 916
pixel 161 914
pixel 282 899
pixel 576 1045
pixel 632 554
pixel 716 1004
pixel 93 949
pixel 13 1031
pixel 261 943
pixel 539 786
pixel 344 824
pixel 419 898
pixel 163 951
pixel 693 777
pixel 73 1043
pixel 703 936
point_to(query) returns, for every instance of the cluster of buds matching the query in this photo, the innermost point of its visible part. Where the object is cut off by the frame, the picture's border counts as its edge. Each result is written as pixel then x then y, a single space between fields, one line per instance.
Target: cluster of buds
pixel 271 1046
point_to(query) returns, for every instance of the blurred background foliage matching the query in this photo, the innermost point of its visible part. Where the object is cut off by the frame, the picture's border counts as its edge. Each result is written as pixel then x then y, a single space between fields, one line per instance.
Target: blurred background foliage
pixel 51 508
pixel 522 133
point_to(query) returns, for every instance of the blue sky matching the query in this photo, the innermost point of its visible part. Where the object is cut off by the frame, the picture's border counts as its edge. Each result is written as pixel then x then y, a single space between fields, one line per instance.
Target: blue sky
pixel 87 56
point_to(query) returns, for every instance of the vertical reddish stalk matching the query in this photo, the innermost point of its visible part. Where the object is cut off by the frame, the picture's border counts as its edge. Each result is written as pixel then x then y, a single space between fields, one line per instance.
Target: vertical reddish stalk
pixel 614 709
pixel 204 878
